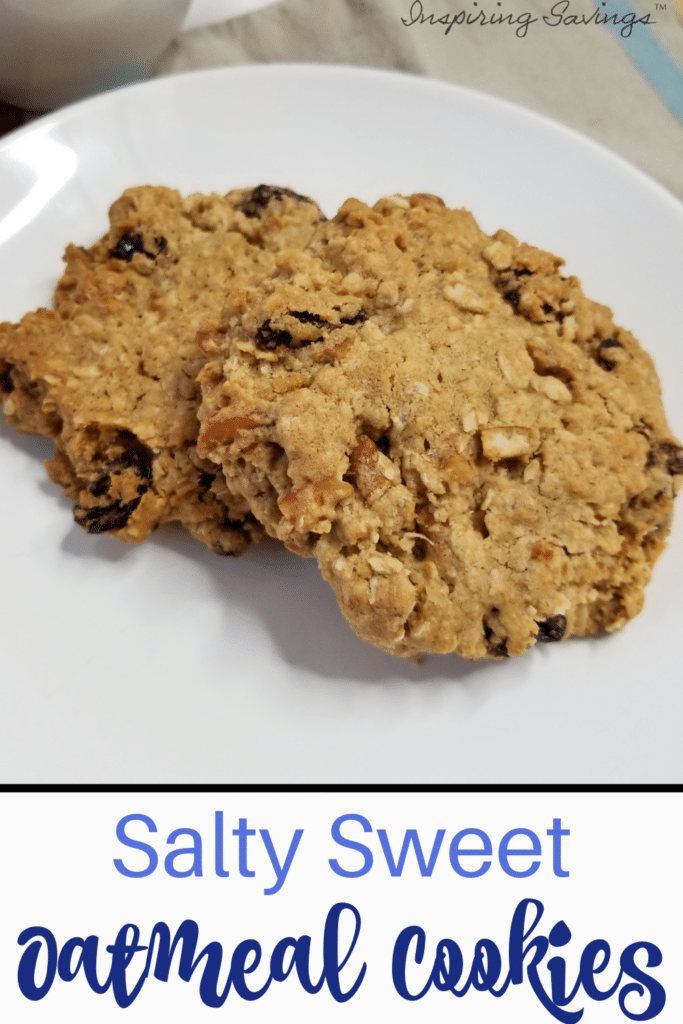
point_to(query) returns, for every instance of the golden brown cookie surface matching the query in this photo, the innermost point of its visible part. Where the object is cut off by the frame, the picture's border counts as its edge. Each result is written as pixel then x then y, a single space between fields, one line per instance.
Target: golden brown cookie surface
pixel 110 372
pixel 476 455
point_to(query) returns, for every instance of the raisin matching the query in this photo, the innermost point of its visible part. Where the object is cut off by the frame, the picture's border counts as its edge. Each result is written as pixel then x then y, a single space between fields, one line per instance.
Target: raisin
pixel 419 551
pixel 309 318
pixel 100 486
pixel 128 245
pixel 601 360
pixel 312 318
pixel 255 202
pixel 384 444
pixel 547 308
pixel 359 318
pixel 551 629
pixel 499 649
pixel 510 285
pixel 511 295
pixel 204 483
pixel 105 518
pixel 136 456
pixel 6 383
pixel 269 338
pixel 232 524
pixel 674 457
pixel 496 647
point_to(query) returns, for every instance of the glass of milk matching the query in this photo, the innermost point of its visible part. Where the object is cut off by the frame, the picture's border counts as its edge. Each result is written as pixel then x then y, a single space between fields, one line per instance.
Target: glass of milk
pixel 55 51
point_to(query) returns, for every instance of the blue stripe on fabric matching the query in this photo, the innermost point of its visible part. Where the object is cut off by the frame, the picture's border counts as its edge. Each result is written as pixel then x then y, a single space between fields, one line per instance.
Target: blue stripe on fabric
pixel 649 56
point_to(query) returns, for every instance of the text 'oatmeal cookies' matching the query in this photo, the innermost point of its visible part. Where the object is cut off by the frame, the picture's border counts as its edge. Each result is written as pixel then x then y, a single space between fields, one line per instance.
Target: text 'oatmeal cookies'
pixel 474 452
pixel 110 372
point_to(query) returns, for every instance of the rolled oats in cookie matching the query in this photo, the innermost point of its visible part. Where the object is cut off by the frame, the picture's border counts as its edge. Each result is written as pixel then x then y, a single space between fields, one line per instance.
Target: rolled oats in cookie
pixel 110 372
pixel 474 452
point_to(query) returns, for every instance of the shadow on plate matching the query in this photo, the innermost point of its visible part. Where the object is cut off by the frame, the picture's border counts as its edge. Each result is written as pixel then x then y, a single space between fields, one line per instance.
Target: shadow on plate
pixel 33 445
pixel 288 595
pixel 299 611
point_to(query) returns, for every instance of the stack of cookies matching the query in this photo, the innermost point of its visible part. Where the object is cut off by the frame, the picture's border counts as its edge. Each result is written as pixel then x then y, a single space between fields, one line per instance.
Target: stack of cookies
pixel 474 452
pixel 110 372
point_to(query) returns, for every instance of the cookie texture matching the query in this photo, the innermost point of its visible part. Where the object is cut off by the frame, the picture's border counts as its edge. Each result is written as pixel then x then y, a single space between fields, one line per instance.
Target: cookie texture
pixel 474 452
pixel 109 373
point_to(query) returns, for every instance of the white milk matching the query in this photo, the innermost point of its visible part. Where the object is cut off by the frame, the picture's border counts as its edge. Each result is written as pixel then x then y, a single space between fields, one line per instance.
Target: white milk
pixel 56 51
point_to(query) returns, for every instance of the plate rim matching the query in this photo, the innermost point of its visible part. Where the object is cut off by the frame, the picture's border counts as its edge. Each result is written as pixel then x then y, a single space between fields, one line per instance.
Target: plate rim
pixel 75 110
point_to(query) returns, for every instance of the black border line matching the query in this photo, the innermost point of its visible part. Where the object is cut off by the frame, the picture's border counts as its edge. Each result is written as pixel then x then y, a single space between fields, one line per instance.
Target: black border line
pixel 341 788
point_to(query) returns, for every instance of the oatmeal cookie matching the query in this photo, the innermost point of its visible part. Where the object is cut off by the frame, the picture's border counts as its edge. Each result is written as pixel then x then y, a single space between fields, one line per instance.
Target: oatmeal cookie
pixel 474 452
pixel 109 373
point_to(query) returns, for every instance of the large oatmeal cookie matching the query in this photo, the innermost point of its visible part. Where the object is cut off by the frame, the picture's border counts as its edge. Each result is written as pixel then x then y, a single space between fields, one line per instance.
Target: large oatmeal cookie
pixel 110 372
pixel 476 455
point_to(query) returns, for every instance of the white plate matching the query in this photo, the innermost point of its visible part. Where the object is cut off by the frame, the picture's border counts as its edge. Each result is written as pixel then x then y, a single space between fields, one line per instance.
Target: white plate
pixel 209 12
pixel 165 663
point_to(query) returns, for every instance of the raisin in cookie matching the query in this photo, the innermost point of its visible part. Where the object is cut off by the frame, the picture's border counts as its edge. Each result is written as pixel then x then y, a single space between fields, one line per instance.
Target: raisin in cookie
pixel 109 373
pixel 476 455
